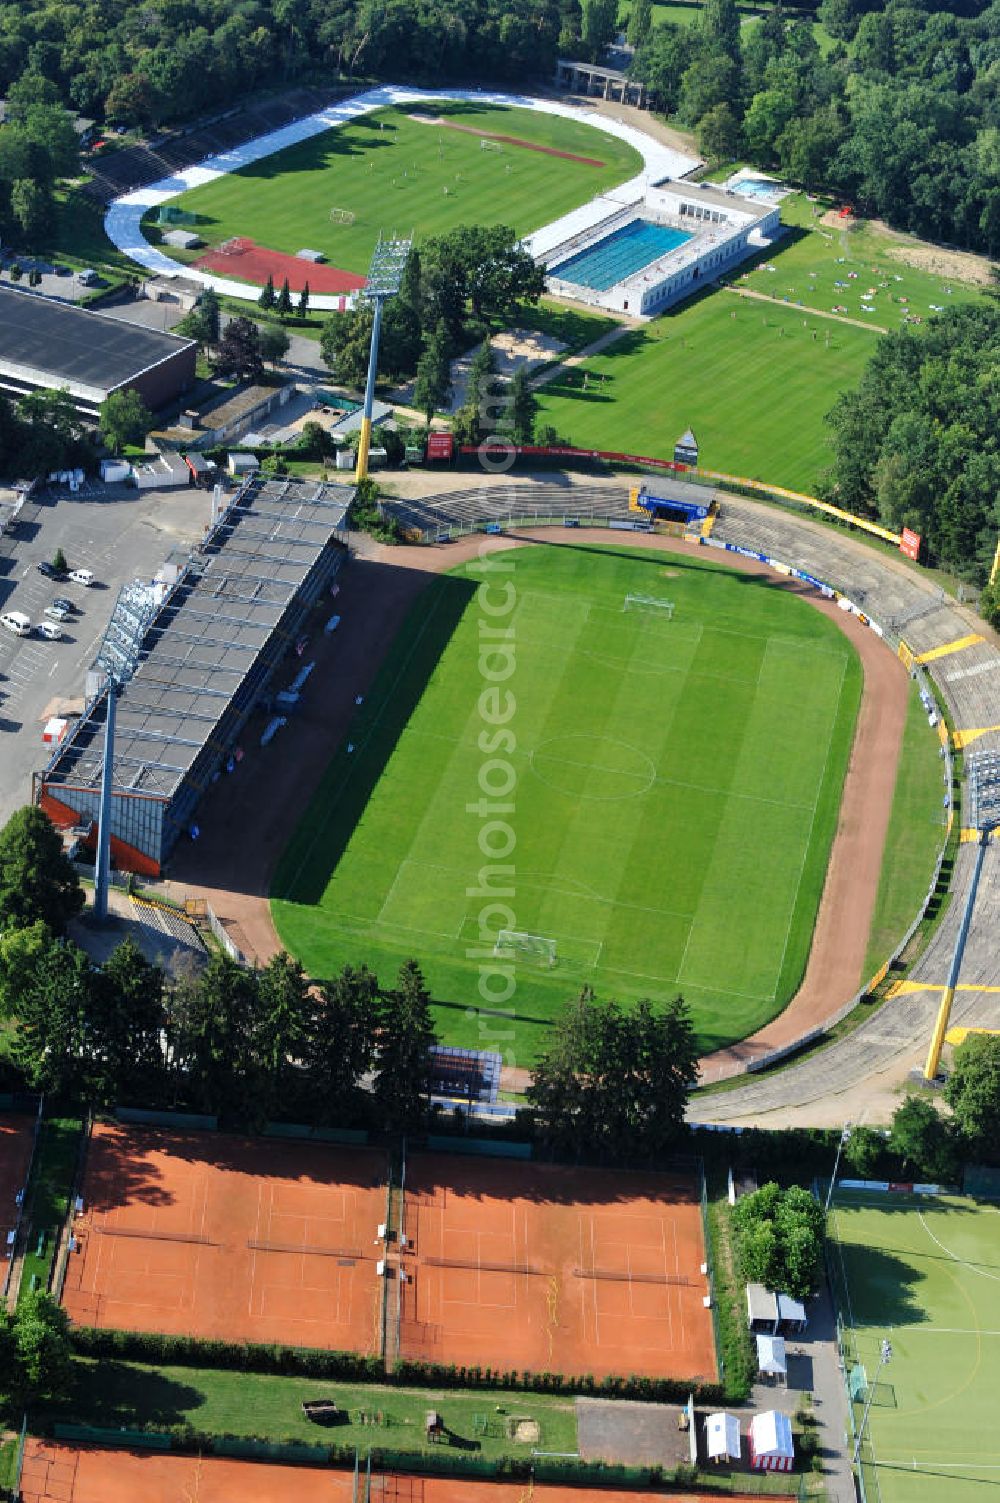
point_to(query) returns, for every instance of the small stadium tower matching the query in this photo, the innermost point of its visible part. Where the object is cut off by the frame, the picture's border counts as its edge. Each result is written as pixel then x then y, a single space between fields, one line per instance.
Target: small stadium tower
pixel 384 278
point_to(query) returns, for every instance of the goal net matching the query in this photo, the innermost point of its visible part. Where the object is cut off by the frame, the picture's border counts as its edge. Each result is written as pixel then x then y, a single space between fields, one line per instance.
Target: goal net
pixel 487 145
pixel 649 603
pixel 533 946
pixel 341 216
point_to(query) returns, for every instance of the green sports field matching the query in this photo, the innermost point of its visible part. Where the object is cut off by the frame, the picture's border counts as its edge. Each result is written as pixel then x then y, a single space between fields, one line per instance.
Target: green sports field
pixel 394 173
pixel 924 1272
pixel 675 785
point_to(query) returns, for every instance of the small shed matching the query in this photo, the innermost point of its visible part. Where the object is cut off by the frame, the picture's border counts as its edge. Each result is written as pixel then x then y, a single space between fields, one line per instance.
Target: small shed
pixel 722 1437
pixel 202 469
pixel 772 1360
pixel 243 464
pixel 791 1314
pixel 182 239
pixel 762 1308
pixel 310 255
pixel 771 1448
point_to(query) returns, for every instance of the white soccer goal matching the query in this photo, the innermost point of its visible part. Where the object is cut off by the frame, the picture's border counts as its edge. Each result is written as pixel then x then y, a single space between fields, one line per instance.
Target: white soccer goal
pixel 487 145
pixel 649 603
pixel 534 946
pixel 341 216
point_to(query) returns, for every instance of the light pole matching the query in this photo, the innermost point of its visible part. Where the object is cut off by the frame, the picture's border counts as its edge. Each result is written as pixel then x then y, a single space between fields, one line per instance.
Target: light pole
pixel 884 1357
pixel 845 1137
pixel 385 276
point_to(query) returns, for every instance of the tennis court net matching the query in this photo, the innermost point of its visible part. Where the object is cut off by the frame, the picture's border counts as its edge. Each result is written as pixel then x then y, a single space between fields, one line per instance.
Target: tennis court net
pixel 481 1267
pixel 151 1236
pixel 631 1276
pixel 348 1254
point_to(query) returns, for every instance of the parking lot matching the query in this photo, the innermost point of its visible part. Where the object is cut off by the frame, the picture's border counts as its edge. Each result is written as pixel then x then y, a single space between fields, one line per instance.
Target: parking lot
pixel 120 534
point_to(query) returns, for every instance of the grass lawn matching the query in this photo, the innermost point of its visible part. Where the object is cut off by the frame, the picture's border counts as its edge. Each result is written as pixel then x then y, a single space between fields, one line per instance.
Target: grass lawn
pixel 48 1196
pixel 914 836
pixel 112 1393
pixel 748 377
pixel 391 172
pixel 922 1272
pixel 676 790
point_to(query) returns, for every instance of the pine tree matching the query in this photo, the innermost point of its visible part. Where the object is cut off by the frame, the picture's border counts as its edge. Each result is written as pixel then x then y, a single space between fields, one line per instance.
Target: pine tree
pixel 284 302
pixel 303 307
pixel 402 1070
pixel 266 299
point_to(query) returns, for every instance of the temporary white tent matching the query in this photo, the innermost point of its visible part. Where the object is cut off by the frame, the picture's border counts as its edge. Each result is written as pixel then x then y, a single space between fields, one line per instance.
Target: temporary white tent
pixel 772 1361
pixel 762 1307
pixel 791 1313
pixel 722 1437
pixel 771 1448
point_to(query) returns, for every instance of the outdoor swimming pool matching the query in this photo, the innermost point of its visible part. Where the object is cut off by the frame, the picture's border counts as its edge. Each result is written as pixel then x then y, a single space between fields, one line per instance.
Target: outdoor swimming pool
pixel 619 254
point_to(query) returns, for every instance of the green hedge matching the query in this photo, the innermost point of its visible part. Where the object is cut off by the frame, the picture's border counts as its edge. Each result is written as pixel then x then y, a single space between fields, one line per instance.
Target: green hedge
pixel 308 1362
pixel 240 1356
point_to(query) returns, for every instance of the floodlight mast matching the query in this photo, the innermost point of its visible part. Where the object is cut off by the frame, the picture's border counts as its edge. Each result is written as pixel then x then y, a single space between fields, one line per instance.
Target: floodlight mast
pixel 385 276
pixel 118 658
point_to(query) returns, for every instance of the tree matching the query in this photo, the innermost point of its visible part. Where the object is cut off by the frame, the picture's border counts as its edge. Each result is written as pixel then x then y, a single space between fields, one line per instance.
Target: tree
pixel 719 134
pixel 303 303
pixel 283 1027
pixel 778 1236
pixel 486 409
pixel 523 407
pixel 340 1043
pixel 924 1140
pixel 616 1083
pixel 266 299
pixel 274 343
pixel 401 1087
pixel 600 27
pixel 204 320
pixel 283 305
pixel 432 387
pixel 21 952
pixel 52 1020
pixel 124 1028
pixel 42 1346
pixel 344 345
pixel 640 22
pixel 124 419
pixel 32 207
pixel 973 1093
pixel 37 881
pixel 238 350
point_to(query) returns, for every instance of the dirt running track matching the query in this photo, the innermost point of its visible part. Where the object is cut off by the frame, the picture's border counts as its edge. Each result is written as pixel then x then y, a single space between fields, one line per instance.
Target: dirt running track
pixel 233 861
pixel 56 1473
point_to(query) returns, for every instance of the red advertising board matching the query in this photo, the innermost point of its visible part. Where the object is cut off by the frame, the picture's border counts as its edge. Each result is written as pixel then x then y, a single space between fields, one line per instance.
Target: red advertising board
pixel 440 446
pixel 909 543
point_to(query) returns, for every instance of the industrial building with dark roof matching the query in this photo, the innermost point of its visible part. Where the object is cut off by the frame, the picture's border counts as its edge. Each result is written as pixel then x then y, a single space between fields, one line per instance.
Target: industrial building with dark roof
pixel 46 345
pixel 236 608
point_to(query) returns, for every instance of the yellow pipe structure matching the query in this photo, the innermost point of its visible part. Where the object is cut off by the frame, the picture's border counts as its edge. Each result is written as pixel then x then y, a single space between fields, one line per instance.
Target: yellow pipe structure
pixel 937 1038
pixel 364 444
pixel 996 564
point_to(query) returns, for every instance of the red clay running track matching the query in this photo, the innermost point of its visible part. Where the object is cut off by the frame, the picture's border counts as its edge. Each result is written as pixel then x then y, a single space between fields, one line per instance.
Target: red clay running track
pixel 208 1235
pixel 575 1270
pixel 255 263
pixel 57 1473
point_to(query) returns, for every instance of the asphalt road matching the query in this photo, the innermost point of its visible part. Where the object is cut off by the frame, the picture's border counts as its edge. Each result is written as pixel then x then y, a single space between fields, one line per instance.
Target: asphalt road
pixel 119 533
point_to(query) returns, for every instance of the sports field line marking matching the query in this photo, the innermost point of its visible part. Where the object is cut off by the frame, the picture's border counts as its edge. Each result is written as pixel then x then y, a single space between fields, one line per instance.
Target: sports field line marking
pixel 721 991
pixel 376 719
pixel 963 1262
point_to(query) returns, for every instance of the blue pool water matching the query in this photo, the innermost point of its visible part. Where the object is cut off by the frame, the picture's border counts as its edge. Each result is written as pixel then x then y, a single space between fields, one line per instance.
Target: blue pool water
pixel 756 187
pixel 620 254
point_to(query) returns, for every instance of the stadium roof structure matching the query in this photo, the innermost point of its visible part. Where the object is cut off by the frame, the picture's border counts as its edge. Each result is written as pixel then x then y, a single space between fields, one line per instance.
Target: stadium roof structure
pixel 79 347
pixel 207 637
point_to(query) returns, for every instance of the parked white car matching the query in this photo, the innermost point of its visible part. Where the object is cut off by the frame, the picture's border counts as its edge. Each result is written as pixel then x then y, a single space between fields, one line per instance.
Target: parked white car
pixel 17 622
pixel 82 577
pixel 50 630
pixel 56 612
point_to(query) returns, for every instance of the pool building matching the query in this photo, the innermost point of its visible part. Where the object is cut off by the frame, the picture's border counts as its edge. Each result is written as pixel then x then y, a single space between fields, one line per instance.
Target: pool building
pixel 640 257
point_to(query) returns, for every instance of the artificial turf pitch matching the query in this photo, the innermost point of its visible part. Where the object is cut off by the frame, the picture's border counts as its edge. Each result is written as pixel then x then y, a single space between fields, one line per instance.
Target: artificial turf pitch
pixel 923 1272
pixel 394 173
pixel 677 788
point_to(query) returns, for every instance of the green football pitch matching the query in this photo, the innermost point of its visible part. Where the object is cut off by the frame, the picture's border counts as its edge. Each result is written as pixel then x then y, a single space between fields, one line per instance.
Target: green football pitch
pixel 924 1273
pixel 394 173
pixel 676 781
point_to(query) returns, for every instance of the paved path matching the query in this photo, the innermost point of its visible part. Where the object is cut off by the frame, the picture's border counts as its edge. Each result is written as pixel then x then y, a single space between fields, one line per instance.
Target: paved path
pixel 781 302
pixel 594 348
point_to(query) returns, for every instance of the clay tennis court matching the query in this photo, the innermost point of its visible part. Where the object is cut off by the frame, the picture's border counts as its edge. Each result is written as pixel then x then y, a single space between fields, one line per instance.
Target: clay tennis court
pixel 255 263
pixel 209 1235
pixel 16 1138
pixel 55 1473
pixel 550 1268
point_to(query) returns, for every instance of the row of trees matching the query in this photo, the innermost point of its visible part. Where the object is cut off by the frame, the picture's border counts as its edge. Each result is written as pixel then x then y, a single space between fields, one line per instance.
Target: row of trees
pixel 917 443
pixel 778 1236
pixel 35 1353
pixel 899 116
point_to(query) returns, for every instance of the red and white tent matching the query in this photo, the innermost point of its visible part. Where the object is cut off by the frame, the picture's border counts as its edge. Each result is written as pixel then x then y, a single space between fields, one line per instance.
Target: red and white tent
pixel 771 1448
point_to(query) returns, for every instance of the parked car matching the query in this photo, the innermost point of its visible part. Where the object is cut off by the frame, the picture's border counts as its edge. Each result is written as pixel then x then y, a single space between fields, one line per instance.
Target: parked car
pixel 50 571
pixel 50 630
pixel 82 577
pixel 17 622
pixel 56 612
pixel 66 605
